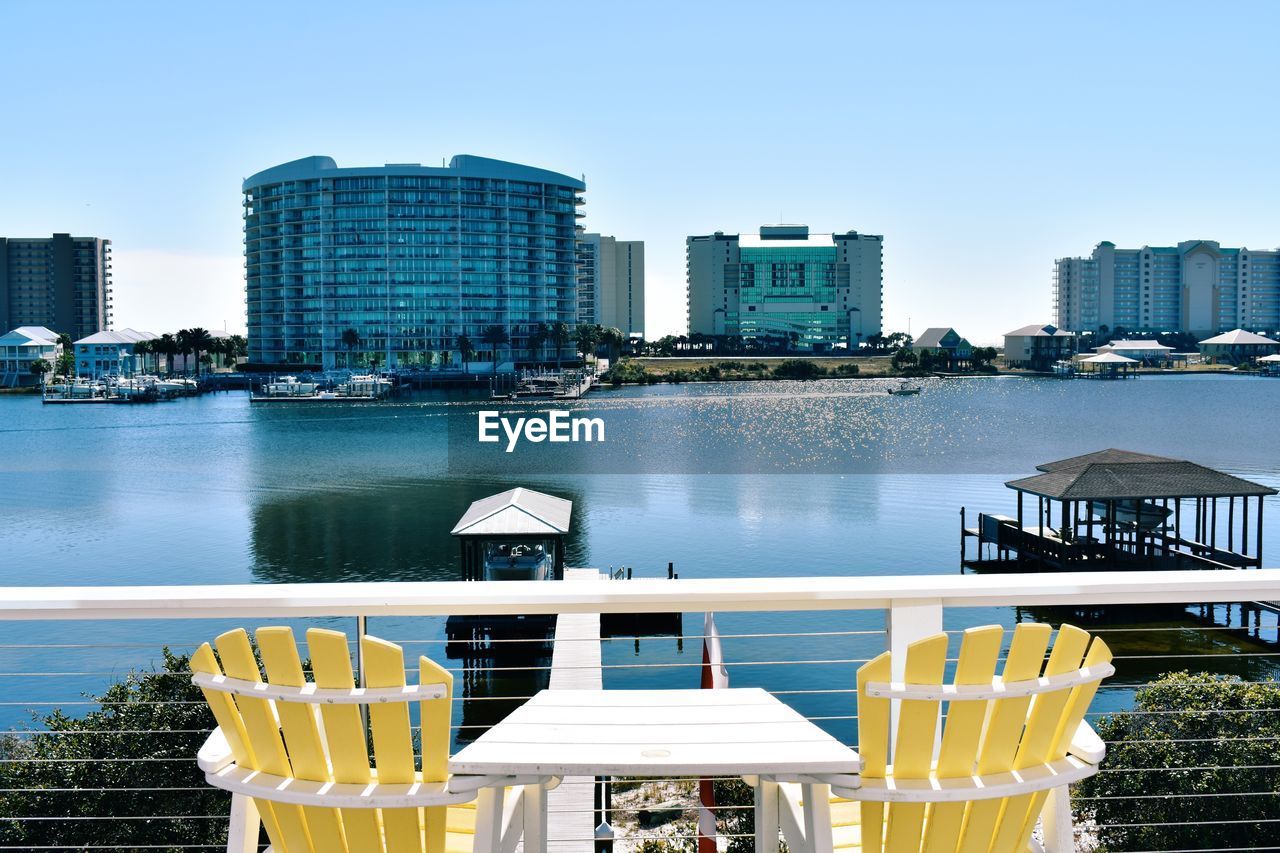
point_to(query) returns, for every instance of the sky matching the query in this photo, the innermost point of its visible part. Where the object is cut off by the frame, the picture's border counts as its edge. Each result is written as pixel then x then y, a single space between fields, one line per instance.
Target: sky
pixel 983 140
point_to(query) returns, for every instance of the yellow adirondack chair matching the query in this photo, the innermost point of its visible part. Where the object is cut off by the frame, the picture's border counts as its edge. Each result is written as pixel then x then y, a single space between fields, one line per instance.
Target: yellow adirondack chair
pixel 295 756
pixel 1008 750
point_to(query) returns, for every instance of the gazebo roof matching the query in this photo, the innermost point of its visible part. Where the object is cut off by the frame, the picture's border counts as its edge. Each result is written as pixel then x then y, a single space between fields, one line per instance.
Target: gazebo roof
pixel 1124 475
pixel 516 512
pixel 1238 336
pixel 1109 358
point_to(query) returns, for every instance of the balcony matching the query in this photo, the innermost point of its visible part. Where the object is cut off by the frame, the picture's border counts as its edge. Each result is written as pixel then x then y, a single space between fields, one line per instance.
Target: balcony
pixel 86 787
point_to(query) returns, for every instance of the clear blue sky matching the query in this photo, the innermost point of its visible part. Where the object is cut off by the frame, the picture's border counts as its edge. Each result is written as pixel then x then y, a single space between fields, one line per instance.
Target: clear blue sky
pixel 983 140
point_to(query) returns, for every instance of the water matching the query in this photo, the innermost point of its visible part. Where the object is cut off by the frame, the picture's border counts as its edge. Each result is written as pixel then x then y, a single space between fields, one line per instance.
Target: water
pixel 724 480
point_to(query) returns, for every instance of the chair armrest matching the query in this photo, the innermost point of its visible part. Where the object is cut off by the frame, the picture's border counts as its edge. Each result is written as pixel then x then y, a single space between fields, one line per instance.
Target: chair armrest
pixel 216 752
pixel 1086 745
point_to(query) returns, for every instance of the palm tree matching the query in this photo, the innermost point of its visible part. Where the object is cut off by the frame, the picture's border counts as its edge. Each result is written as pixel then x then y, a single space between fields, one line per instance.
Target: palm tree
pixel 237 348
pixel 612 338
pixel 141 348
pixel 198 340
pixel 466 349
pixel 350 340
pixel 39 367
pixel 494 336
pixel 538 334
pixel 561 334
pixel 588 338
pixel 169 348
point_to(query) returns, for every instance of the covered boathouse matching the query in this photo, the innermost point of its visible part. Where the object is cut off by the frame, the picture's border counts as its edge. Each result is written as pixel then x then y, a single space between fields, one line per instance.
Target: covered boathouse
pixel 1120 510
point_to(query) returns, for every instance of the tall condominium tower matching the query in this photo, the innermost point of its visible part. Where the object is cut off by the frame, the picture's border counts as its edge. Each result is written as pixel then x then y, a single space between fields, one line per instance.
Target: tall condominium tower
pixel 611 283
pixel 1197 287
pixel 821 290
pixel 391 264
pixel 61 282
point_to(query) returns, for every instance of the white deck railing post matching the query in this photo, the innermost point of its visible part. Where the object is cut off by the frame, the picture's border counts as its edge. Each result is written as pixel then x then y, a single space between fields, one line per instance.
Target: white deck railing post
pixel 906 622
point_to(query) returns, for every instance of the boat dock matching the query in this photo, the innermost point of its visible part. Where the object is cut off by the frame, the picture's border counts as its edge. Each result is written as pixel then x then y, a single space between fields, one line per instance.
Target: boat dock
pixel 543 385
pixel 1116 510
pixel 575 665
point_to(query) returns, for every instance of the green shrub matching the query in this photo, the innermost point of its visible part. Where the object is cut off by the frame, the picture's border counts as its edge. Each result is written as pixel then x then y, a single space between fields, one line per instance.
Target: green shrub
pixel 844 371
pixel 626 371
pixel 797 368
pixel 157 718
pixel 1141 799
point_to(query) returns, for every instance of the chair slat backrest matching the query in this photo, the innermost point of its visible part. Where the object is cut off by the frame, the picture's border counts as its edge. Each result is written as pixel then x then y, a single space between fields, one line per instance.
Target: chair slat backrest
pixel 329 742
pixel 980 737
pixel 962 734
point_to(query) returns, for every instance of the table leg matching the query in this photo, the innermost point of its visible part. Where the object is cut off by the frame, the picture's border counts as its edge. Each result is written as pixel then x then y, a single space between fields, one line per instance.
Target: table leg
pixel 488 837
pixel 767 827
pixel 817 817
pixel 535 819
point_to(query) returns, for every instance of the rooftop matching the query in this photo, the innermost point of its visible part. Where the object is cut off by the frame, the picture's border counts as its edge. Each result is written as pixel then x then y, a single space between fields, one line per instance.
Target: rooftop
pixel 35 335
pixel 123 336
pixel 1124 475
pixel 1033 331
pixel 1134 345
pixel 932 336
pixel 1109 358
pixel 462 165
pixel 516 512
pixel 1239 336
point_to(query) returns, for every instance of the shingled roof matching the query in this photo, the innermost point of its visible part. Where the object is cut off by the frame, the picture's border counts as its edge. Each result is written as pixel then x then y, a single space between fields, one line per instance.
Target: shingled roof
pixel 1124 475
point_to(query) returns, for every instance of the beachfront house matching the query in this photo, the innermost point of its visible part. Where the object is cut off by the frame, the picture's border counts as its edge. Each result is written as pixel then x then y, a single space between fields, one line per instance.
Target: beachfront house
pixel 1238 347
pixel 1150 353
pixel 109 353
pixel 1037 347
pixel 946 345
pixel 22 346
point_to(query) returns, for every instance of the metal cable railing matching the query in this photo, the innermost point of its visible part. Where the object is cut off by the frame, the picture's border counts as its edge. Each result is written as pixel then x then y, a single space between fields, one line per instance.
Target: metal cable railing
pixel 812 670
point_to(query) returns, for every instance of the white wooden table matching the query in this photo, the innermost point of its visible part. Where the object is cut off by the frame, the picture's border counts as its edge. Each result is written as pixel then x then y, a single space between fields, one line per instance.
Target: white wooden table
pixel 728 732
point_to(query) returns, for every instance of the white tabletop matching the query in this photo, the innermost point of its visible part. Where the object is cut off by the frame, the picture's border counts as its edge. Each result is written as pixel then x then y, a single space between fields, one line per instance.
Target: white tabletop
pixel 736 731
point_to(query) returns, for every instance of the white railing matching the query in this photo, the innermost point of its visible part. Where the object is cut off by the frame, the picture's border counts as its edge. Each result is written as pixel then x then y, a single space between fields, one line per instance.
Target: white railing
pixel 914 607
pixel 923 595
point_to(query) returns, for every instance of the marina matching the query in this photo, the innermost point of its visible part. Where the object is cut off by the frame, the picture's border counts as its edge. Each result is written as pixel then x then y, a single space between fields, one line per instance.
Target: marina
pixel 353 388
pixel 569 384
pixel 141 388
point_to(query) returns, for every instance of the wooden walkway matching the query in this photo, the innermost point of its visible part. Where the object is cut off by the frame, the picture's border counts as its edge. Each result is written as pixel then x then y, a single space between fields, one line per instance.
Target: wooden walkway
pixel 575 665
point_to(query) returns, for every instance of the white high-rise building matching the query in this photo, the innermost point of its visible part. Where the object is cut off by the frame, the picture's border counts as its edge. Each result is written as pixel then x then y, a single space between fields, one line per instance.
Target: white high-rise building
pixel 611 283
pixel 1197 287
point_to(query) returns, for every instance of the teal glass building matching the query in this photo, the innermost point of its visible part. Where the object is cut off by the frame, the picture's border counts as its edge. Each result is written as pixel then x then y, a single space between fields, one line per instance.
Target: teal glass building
pixel 410 257
pixel 821 292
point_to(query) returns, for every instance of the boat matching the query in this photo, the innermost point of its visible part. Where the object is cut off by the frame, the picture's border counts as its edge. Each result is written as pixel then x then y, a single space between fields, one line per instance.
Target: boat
pixel 540 386
pixel 365 385
pixel 905 389
pixel 1153 515
pixel 136 387
pixel 519 561
pixel 84 387
pixel 289 386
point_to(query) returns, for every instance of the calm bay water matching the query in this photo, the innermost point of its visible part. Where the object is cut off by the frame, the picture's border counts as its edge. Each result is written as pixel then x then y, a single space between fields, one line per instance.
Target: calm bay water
pixel 724 480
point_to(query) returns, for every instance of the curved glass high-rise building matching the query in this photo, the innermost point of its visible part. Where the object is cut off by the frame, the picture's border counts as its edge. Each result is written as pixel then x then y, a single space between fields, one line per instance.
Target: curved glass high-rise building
pixel 390 265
